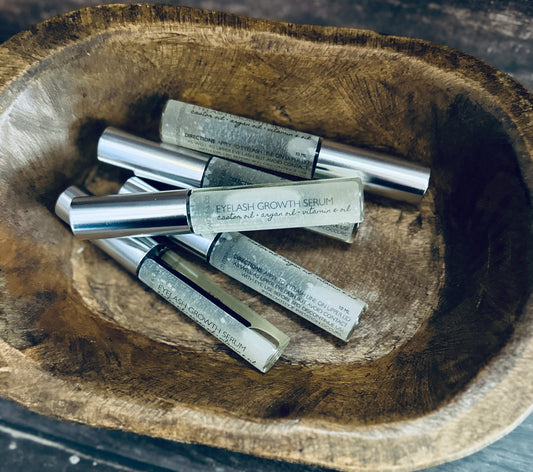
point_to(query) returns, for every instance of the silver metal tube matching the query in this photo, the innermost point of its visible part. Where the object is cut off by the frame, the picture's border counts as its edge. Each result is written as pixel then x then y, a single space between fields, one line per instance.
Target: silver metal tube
pixel 197 244
pixel 113 216
pixel 381 174
pixel 160 162
pixel 129 252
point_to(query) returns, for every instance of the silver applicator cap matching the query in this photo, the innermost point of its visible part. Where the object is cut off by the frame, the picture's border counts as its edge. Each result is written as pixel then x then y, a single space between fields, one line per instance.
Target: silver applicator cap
pixel 114 216
pixel 381 174
pixel 198 244
pixel 129 252
pixel 165 163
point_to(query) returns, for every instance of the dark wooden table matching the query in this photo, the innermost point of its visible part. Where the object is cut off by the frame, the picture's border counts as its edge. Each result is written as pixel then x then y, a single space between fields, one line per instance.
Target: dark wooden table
pixel 499 32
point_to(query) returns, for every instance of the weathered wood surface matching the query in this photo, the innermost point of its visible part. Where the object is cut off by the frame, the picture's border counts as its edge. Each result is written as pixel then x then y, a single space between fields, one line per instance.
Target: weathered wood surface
pixel 435 370
pixel 498 31
pixel 55 445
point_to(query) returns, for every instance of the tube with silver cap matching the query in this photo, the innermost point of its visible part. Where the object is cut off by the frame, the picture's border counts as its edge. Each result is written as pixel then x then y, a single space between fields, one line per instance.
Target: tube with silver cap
pixel 186 168
pixel 216 210
pixel 272 275
pixel 288 151
pixel 185 287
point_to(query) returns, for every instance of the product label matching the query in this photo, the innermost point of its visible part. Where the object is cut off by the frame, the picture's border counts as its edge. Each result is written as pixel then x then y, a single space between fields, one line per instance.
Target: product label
pixel 288 284
pixel 224 173
pixel 239 139
pixel 244 341
pixel 290 205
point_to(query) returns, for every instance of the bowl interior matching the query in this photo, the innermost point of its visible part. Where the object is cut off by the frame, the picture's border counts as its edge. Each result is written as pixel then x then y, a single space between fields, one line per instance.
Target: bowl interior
pixel 446 283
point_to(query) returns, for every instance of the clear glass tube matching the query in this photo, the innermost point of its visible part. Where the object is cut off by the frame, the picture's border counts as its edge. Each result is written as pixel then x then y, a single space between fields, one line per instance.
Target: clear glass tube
pixel 223 173
pixel 290 152
pixel 240 139
pixel 292 205
pixel 225 317
pixel 288 284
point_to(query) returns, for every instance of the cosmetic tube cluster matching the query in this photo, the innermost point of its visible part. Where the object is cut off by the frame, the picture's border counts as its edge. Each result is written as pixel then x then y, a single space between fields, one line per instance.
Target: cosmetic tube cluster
pixel 229 174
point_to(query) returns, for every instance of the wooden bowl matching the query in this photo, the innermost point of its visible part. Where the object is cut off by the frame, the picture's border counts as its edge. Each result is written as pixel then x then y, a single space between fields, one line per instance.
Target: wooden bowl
pixel 440 365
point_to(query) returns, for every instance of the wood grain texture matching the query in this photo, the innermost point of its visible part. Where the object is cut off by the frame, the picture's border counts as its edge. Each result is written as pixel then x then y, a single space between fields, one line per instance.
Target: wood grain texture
pixel 52 444
pixel 439 366
pixel 498 31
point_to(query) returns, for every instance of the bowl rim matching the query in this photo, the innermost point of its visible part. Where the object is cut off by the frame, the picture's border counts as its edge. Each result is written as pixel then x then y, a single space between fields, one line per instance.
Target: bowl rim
pixel 345 449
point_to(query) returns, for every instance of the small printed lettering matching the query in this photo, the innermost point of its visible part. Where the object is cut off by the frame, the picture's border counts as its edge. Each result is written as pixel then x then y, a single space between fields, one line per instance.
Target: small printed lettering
pixel 231 216
pixel 197 137
pixel 228 208
pixel 307 203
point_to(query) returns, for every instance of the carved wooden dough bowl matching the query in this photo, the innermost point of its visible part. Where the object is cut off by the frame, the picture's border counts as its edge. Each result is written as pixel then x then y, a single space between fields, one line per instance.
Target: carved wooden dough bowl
pixel 439 365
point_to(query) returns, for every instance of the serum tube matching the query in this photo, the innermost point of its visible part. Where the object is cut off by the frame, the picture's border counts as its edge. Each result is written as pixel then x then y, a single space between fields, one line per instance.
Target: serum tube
pixel 289 152
pixel 182 285
pixel 272 275
pixel 186 168
pixel 216 210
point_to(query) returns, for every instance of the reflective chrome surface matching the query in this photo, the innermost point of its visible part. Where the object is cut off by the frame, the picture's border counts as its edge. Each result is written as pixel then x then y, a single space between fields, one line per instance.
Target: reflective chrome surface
pixel 62 208
pixel 165 163
pixel 196 243
pixel 381 174
pixel 136 185
pixel 141 214
pixel 129 252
